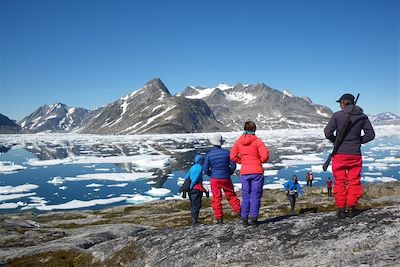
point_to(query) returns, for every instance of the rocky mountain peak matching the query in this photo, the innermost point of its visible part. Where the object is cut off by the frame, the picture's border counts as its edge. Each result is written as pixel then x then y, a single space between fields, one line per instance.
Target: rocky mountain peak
pixel 157 84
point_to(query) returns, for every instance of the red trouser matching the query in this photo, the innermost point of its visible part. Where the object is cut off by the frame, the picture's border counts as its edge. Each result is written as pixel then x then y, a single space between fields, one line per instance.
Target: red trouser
pixel 347 172
pixel 223 184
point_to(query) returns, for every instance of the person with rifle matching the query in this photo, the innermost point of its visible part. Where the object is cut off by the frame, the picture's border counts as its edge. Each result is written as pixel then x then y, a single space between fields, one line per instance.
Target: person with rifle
pixel 344 129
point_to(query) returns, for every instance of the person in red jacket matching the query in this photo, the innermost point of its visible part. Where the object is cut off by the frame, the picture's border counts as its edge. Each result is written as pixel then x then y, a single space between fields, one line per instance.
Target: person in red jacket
pixel 251 152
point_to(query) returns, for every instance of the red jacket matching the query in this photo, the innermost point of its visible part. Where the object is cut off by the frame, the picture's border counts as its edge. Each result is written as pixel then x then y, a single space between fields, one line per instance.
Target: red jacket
pixel 251 152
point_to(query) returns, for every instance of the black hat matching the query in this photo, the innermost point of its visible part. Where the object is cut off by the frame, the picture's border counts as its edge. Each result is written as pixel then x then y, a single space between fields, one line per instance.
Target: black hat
pixel 349 97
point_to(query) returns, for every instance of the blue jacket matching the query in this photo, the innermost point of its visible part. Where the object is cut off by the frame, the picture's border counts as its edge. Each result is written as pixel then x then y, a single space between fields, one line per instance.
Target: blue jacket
pixel 218 163
pixel 195 172
pixel 289 186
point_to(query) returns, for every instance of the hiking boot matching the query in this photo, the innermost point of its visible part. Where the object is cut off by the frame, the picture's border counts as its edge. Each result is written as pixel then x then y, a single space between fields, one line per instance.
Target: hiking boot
pixel 352 212
pixel 292 212
pixel 253 222
pixel 341 213
pixel 238 217
pixel 195 224
pixel 245 222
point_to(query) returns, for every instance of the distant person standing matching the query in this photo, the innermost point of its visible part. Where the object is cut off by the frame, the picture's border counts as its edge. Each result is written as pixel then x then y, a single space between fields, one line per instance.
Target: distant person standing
pixel 251 152
pixel 196 189
pixel 293 189
pixel 329 186
pixel 347 162
pixel 309 178
pixel 220 167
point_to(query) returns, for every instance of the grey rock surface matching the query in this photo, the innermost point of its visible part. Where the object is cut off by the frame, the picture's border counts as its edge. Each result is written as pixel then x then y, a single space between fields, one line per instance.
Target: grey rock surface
pixel 157 234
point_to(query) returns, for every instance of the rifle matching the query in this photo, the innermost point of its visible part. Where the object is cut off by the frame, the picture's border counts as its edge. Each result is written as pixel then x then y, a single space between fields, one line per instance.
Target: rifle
pixel 339 138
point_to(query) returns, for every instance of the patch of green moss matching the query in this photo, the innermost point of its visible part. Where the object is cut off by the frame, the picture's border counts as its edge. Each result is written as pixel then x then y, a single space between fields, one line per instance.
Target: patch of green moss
pixel 133 208
pixel 58 217
pixel 75 225
pixel 56 258
pixel 130 255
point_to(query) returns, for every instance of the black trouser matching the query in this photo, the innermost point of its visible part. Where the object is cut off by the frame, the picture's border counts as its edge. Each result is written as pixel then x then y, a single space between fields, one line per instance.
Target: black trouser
pixel 329 191
pixel 195 197
pixel 292 200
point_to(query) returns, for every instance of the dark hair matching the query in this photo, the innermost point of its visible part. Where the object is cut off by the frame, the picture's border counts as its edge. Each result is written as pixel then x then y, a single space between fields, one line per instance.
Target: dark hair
pixel 250 126
pixel 294 176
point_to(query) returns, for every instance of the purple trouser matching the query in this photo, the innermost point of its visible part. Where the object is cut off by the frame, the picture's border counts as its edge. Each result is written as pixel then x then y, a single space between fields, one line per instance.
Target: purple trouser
pixel 252 190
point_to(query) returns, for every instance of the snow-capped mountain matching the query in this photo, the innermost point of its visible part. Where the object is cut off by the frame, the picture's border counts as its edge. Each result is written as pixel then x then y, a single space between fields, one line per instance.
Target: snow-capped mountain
pixel 54 118
pixel 152 109
pixel 8 126
pixel 385 118
pixel 269 108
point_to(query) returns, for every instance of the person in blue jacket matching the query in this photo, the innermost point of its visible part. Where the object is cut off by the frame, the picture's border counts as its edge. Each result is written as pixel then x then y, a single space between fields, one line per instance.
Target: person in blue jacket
pixel 196 187
pixel 220 167
pixel 293 189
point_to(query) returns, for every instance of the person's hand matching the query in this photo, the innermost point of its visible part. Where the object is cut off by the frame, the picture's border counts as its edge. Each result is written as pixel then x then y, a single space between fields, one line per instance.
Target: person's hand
pixel 287 193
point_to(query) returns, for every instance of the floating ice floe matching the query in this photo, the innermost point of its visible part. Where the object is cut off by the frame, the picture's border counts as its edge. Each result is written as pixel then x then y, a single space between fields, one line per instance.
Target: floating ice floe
pixel 143 162
pixel 179 196
pixel 8 189
pixel 303 159
pixel 369 179
pixel 77 204
pixel 94 185
pixel 273 186
pixel 271 172
pixel 9 205
pixel 63 187
pixel 102 169
pixel 372 173
pixel 389 160
pixel 119 177
pixel 318 168
pixel 15 196
pixel 7 167
pixel 56 181
pixel 158 192
pixel 139 199
pixel 118 185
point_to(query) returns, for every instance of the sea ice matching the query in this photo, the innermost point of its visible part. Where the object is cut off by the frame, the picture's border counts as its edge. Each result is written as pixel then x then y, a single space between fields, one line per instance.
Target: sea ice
pixel 119 177
pixel 76 204
pixel 139 199
pixel 158 192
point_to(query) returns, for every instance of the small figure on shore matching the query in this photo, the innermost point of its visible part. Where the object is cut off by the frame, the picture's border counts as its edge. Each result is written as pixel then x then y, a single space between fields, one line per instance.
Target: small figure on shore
pixel 251 152
pixel 309 178
pixel 196 188
pixel 220 167
pixel 329 186
pixel 293 189
pixel 347 162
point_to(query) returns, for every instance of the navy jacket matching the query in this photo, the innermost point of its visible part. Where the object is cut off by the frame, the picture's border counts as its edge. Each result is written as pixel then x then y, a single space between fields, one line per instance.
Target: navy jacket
pixel 353 140
pixel 218 163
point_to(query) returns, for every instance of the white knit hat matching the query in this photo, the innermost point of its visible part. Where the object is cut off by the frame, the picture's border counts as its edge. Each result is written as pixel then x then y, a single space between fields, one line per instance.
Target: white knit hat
pixel 217 140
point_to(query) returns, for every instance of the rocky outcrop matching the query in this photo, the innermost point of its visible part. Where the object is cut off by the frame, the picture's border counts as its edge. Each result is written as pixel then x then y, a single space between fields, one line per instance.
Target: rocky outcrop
pixel 157 234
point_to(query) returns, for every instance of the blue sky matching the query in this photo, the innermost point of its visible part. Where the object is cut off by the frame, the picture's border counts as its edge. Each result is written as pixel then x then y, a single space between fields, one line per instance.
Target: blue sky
pixel 88 53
